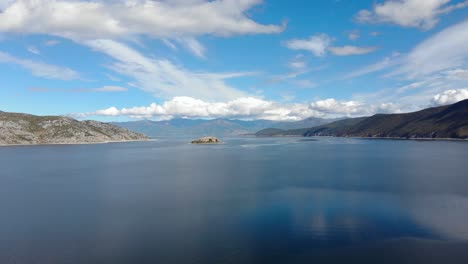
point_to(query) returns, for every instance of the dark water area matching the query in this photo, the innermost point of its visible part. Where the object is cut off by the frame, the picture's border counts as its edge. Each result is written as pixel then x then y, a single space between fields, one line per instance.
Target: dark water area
pixel 249 200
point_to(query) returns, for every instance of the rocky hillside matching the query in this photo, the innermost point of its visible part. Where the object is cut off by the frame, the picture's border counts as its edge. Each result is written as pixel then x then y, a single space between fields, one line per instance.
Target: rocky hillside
pixel 450 121
pixel 218 127
pixel 16 128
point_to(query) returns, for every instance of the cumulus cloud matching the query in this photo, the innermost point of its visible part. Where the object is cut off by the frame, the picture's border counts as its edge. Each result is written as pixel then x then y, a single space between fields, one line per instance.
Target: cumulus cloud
pixel 40 69
pixel 334 107
pixel 246 108
pixel 81 20
pixel 450 97
pixel 422 14
pixel 351 50
pixel 320 44
pixel 161 77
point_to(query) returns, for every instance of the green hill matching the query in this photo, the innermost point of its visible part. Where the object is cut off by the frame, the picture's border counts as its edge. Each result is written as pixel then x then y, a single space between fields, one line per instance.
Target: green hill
pixel 450 121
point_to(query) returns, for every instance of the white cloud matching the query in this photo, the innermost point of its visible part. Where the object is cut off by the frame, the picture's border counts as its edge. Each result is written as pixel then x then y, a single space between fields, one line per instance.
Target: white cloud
pixel 457 74
pixel 422 14
pixel 351 50
pixel 317 44
pixel 445 50
pixel 182 21
pixel 444 53
pixel 103 89
pixel 384 64
pixel 320 44
pixel 298 62
pixel 51 42
pixel 40 69
pixel 333 107
pixel 111 89
pixel 33 50
pixel 104 25
pixel 450 97
pixel 161 77
pixel 246 108
pixel 81 20
pixel 194 46
pixel 5 3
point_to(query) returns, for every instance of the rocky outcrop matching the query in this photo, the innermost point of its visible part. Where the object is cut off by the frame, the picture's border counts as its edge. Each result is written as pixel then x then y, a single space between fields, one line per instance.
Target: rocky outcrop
pixel 16 128
pixel 207 140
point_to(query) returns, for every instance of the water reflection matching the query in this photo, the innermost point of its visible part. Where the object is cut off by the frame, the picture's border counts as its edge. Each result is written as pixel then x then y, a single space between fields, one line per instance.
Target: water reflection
pixel 288 201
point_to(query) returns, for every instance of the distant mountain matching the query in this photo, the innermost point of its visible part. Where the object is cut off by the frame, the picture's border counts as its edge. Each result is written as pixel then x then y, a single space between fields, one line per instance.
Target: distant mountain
pixel 16 128
pixel 449 121
pixel 215 127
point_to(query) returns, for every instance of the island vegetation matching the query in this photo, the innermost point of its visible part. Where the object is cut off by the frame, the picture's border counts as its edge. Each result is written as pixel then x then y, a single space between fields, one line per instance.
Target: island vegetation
pixel 443 122
pixel 206 140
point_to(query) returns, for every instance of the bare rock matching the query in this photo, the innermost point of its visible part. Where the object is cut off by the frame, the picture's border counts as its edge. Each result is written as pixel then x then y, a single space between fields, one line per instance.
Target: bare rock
pixel 207 140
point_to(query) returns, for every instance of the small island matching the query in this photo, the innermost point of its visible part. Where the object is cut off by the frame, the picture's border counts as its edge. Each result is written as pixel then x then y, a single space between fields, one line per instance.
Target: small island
pixel 206 140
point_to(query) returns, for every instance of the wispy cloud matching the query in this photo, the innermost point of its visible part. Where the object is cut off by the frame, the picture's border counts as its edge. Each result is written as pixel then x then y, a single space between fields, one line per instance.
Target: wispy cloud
pixel 354 35
pixel 51 42
pixel 443 51
pixel 161 77
pixel 84 20
pixel 40 69
pixel 193 46
pixel 320 44
pixel 384 64
pixel 103 89
pixel 33 50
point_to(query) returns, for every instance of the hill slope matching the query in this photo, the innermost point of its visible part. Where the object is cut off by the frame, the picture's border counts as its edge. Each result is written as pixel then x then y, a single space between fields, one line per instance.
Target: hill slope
pixel 449 121
pixel 16 128
pixel 216 127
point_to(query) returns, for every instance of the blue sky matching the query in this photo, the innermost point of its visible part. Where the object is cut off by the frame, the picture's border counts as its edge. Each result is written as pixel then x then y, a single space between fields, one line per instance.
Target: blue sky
pixel 248 59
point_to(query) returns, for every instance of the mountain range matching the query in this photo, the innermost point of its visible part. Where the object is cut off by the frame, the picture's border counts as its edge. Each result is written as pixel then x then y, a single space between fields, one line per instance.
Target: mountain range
pixel 17 128
pixel 215 127
pixel 450 121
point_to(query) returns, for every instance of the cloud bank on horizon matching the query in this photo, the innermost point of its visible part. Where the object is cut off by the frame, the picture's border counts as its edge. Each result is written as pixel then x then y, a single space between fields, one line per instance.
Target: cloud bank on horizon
pixel 163 59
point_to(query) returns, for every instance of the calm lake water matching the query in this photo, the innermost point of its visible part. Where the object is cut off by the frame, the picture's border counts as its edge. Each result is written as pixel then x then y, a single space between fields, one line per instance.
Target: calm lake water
pixel 267 200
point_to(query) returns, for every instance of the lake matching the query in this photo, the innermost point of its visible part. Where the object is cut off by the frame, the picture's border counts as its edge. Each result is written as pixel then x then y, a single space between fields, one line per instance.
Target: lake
pixel 249 200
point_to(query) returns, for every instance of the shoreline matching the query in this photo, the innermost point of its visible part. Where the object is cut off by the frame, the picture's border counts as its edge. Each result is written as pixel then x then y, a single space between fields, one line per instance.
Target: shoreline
pixel 78 143
pixel 387 138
